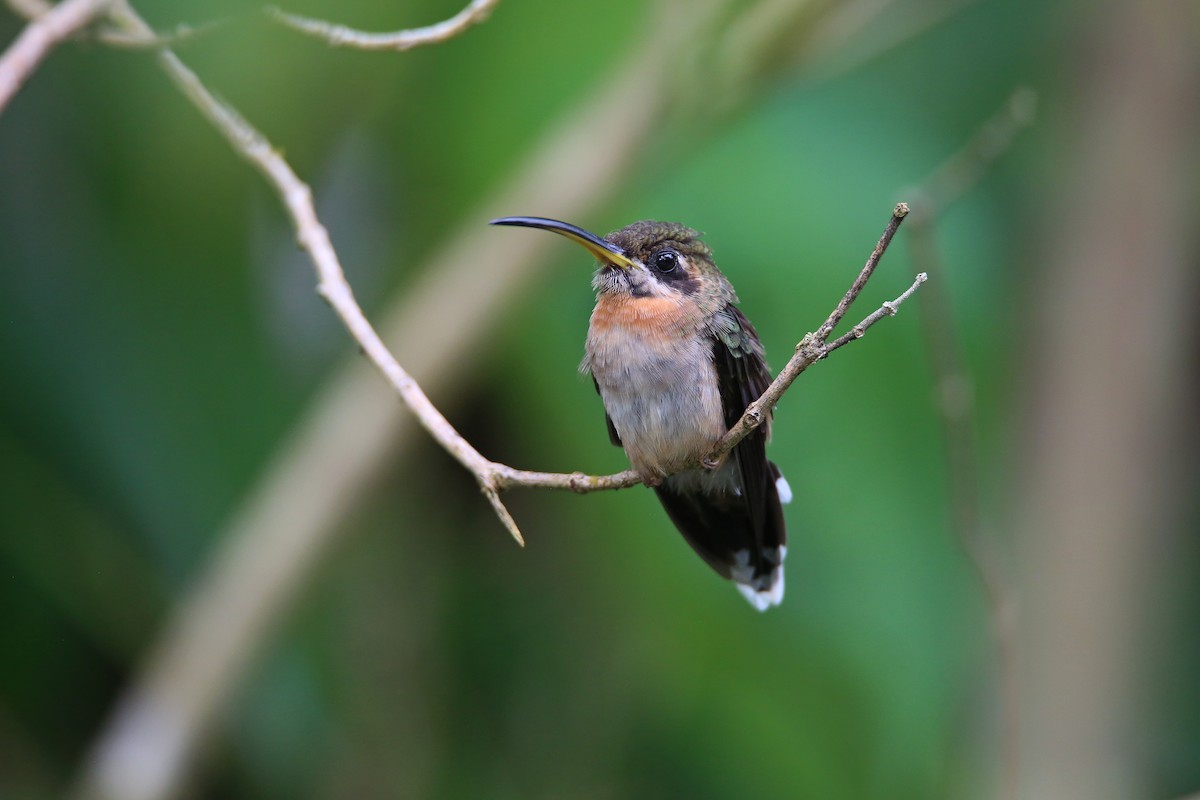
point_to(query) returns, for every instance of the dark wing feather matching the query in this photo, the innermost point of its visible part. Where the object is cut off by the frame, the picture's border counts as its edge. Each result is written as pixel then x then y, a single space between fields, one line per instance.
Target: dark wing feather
pixel 743 376
pixel 716 525
pixel 613 436
pixel 719 524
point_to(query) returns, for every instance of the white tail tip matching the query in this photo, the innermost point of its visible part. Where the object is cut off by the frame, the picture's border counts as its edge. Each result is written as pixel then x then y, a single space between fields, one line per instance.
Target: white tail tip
pixel 762 598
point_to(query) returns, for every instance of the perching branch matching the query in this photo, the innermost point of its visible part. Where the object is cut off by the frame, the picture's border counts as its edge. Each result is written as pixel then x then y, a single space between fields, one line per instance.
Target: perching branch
pixel 45 30
pixel 341 36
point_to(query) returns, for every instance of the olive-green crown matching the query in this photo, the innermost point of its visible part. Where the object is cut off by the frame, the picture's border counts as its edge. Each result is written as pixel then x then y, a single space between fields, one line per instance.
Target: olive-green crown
pixel 639 239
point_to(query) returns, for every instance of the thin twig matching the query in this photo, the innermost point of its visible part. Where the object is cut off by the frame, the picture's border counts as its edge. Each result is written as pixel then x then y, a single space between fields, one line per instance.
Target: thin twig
pixel 33 9
pixel 342 36
pixel 888 309
pixel 39 37
pixel 823 333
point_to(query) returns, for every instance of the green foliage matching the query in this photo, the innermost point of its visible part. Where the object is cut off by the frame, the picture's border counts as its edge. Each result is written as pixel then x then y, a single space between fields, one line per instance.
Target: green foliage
pixel 159 338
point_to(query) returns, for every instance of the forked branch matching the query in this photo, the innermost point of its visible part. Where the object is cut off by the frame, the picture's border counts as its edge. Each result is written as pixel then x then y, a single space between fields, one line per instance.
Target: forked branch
pixel 48 26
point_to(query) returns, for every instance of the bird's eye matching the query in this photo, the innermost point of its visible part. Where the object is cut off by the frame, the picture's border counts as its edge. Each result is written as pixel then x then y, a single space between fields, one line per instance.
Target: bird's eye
pixel 666 261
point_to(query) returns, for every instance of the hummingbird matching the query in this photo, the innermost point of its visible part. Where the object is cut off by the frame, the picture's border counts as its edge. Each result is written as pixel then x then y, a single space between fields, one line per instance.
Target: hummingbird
pixel 676 363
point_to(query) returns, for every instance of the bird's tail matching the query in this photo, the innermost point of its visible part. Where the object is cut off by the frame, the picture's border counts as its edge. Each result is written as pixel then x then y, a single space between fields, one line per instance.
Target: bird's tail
pixel 741 538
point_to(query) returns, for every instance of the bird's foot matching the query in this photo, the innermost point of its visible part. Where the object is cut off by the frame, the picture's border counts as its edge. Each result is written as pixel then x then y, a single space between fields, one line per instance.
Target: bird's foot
pixel 651 479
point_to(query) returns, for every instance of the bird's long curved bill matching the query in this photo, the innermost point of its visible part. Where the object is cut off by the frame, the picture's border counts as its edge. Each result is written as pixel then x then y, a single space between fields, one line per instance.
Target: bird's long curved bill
pixel 606 252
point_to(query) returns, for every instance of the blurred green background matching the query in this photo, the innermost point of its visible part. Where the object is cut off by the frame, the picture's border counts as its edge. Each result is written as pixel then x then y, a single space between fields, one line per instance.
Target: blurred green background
pixel 160 340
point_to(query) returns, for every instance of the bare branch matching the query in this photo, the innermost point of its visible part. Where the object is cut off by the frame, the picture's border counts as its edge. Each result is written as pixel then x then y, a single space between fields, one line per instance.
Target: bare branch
pixel 32 9
pixel 40 36
pixel 506 478
pixel 823 333
pixel 506 519
pixel 341 36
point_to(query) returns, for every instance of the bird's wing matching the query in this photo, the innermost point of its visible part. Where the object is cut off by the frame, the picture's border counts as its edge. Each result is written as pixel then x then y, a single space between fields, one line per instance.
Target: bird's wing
pixel 742 376
pixel 613 436
pixel 737 527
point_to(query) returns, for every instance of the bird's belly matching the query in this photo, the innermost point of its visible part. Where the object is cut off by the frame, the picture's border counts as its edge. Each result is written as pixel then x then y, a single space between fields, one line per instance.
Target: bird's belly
pixel 661 395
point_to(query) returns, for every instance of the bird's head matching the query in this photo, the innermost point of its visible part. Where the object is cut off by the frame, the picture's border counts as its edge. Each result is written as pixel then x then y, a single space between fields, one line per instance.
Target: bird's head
pixel 645 259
